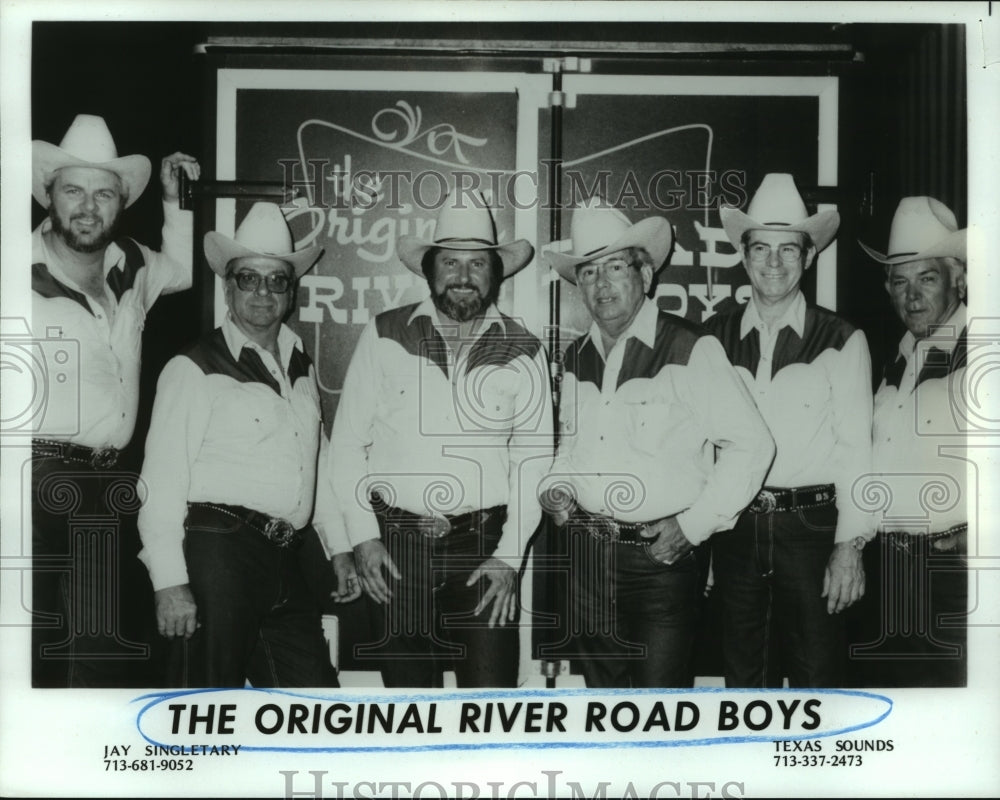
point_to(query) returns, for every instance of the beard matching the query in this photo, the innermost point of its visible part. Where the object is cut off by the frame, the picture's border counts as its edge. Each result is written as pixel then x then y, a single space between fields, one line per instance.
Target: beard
pixel 88 243
pixel 463 309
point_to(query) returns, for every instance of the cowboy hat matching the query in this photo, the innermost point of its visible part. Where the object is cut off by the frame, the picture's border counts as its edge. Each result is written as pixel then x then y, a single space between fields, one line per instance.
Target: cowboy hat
pixel 87 143
pixel 598 229
pixel 262 233
pixel 465 224
pixel 922 227
pixel 778 206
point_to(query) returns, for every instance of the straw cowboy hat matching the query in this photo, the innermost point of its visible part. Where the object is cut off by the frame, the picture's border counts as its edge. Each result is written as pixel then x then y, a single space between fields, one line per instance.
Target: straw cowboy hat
pixel 598 229
pixel 778 206
pixel 87 143
pixel 922 227
pixel 263 232
pixel 465 223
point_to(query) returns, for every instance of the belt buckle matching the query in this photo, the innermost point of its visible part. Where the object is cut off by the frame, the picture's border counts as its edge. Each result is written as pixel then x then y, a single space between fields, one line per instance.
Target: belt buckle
pixel 440 526
pixel 279 531
pixel 764 503
pixel 104 458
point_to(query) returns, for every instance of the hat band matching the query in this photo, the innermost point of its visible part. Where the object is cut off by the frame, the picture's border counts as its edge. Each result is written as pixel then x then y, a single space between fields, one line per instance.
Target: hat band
pixel 595 250
pixel 785 224
pixel 457 239
pixel 897 255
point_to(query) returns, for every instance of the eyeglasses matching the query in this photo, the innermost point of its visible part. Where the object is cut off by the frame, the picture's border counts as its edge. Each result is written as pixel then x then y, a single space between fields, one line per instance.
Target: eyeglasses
pixel 613 271
pixel 788 253
pixel 276 283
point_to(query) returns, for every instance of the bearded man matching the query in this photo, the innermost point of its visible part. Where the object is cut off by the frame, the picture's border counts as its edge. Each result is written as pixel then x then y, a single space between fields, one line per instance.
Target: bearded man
pixel 443 431
pixel 91 291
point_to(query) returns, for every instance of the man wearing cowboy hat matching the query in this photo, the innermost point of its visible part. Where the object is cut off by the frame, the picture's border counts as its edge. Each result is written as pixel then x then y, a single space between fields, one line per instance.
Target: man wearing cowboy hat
pixel 919 408
pixel 792 562
pixel 230 472
pixel 646 399
pixel 443 430
pixel 91 290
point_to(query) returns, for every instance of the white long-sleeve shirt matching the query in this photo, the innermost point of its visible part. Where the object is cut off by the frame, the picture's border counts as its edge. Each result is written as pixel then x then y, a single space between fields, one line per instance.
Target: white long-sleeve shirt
pixel 639 427
pixel 441 431
pixel 92 361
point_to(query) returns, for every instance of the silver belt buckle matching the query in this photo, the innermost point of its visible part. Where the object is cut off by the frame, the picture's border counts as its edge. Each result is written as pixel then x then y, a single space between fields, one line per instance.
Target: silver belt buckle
pixel 104 458
pixel 439 527
pixel 279 531
pixel 764 503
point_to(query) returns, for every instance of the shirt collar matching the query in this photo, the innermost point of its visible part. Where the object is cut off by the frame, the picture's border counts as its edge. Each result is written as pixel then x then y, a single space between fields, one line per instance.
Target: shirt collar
pixel 643 327
pixel 236 340
pixel 943 337
pixel 492 315
pixel 113 254
pixel 794 317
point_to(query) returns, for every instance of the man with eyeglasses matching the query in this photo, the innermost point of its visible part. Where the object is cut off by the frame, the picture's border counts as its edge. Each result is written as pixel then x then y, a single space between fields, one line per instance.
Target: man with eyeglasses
pixel 647 400
pixel 230 473
pixel 792 562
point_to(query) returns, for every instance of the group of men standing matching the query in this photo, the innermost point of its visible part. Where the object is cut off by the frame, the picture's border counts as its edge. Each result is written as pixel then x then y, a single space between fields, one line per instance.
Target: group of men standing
pixel 732 451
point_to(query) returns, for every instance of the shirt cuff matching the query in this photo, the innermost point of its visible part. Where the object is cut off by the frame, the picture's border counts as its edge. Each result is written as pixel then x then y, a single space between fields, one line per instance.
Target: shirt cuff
pixel 696 526
pixel 167 567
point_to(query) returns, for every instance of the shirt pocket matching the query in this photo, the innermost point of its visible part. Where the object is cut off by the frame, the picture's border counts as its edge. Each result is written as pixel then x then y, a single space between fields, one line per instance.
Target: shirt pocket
pixel 650 422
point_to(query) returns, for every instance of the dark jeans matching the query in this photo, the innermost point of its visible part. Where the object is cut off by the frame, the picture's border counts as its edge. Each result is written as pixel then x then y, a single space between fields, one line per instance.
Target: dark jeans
pixel 632 617
pixel 912 627
pixel 769 573
pixel 259 622
pixel 92 611
pixel 428 625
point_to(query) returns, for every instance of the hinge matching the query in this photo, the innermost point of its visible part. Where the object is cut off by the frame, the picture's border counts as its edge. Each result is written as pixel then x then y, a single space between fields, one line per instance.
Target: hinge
pixel 566 64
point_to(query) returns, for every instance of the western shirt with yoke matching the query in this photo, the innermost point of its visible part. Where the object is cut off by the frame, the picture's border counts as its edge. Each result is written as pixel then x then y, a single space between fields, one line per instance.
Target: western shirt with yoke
pixel 920 445
pixel 639 427
pixel 92 360
pixel 229 427
pixel 437 429
pixel 810 374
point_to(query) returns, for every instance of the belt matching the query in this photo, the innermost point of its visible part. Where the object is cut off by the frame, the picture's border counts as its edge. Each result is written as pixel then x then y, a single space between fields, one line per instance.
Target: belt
pixel 953 539
pixel 278 531
pixel 433 527
pixel 771 499
pixel 610 529
pixel 99 458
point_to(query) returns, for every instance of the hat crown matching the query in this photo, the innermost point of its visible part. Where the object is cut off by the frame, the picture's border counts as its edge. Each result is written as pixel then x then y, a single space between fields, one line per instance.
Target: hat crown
pixel 918 224
pixel 465 219
pixel 595 225
pixel 265 230
pixel 89 139
pixel 777 201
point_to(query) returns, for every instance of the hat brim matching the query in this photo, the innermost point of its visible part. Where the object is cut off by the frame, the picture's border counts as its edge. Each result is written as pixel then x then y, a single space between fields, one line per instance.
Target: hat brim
pixel 821 227
pixel 515 255
pixel 220 250
pixel 952 246
pixel 46 158
pixel 654 234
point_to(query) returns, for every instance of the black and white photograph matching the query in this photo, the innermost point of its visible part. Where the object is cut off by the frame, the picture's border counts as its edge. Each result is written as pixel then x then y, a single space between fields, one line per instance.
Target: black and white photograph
pixel 473 399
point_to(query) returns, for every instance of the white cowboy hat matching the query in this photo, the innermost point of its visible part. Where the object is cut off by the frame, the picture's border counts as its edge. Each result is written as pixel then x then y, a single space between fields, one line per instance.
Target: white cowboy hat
pixel 922 227
pixel 778 206
pixel 87 143
pixel 598 229
pixel 263 232
pixel 465 223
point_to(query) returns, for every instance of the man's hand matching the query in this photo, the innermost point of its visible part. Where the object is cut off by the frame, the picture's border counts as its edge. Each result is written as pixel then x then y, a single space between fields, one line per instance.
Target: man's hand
pixel 558 503
pixel 169 170
pixel 176 611
pixel 670 544
pixel 346 575
pixel 844 580
pixel 502 591
pixel 370 557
